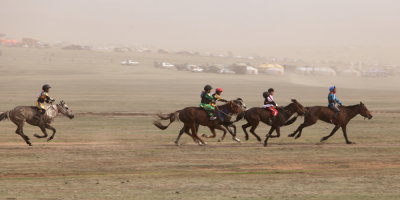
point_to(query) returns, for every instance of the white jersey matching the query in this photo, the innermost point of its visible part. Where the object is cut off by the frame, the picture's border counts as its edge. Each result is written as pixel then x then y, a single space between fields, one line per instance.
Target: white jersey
pixel 270 98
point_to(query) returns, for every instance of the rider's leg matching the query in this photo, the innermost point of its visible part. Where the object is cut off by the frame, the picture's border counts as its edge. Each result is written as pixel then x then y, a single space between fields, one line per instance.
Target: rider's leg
pixel 40 116
pixel 337 112
pixel 274 113
pixel 210 110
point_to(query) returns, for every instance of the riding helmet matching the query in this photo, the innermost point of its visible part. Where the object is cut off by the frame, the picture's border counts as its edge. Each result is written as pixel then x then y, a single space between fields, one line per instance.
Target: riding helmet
pixel 207 87
pixel 219 90
pixel 45 87
pixel 332 88
pixel 270 89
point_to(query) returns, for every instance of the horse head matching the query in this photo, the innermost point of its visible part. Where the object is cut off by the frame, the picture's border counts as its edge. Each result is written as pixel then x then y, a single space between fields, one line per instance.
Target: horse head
pixel 364 111
pixel 240 102
pixel 297 107
pixel 236 106
pixel 63 109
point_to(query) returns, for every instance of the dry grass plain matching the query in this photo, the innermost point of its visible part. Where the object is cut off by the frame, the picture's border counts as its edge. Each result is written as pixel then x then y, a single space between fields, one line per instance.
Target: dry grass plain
pixel 125 157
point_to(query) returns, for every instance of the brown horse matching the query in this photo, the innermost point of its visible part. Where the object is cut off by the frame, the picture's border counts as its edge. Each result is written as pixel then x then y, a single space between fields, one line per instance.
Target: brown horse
pixel 254 115
pixel 226 122
pixel 21 114
pixel 325 114
pixel 192 117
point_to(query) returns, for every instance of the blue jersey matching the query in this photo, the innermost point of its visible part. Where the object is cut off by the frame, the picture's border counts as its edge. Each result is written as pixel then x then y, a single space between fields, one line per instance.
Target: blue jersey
pixel 332 100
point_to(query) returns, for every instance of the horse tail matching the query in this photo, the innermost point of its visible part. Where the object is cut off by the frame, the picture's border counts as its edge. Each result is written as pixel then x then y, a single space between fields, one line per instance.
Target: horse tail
pixel 290 121
pixel 240 116
pixel 4 115
pixel 171 117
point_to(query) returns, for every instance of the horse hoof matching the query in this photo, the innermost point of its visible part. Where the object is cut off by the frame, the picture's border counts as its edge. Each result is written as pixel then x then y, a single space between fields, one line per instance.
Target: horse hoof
pixel 322 139
pixel 236 139
pixel 350 142
pixel 290 135
pixel 38 136
pixel 204 135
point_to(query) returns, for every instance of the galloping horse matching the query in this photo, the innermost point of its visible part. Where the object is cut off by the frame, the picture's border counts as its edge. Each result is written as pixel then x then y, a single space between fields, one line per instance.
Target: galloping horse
pixel 325 114
pixel 192 117
pixel 21 114
pixel 254 115
pixel 226 122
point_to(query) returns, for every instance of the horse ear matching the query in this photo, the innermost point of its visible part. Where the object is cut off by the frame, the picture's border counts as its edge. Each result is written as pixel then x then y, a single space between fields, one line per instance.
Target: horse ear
pixel 62 102
pixel 361 103
pixel 294 100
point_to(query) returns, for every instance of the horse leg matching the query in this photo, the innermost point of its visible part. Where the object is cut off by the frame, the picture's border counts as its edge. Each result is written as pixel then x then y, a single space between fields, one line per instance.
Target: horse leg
pixel 295 132
pixel 180 134
pixel 234 129
pixel 223 135
pixel 213 134
pixel 52 129
pixel 244 127
pixel 330 135
pixel 187 131
pixel 20 131
pixel 303 125
pixel 345 135
pixel 43 129
pixel 268 135
pixel 252 131
pixel 278 132
pixel 233 133
pixel 194 134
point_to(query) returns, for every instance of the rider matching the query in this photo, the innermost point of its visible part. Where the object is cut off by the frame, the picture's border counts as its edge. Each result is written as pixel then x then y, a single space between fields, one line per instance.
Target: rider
pixel 333 101
pixel 269 102
pixel 40 103
pixel 217 96
pixel 208 101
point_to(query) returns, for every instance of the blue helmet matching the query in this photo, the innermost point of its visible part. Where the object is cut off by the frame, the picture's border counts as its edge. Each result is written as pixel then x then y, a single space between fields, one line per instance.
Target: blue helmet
pixel 332 88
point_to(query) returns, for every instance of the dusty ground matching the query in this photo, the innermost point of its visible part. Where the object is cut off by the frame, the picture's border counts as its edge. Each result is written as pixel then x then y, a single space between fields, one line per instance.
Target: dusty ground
pixel 125 157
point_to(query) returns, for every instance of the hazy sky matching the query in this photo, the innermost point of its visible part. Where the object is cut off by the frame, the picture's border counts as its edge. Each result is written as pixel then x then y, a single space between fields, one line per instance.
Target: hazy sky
pixel 205 23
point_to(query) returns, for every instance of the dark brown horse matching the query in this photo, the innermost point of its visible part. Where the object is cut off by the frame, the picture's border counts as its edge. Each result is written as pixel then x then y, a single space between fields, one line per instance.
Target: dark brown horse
pixel 325 114
pixel 21 114
pixel 254 115
pixel 192 117
pixel 226 122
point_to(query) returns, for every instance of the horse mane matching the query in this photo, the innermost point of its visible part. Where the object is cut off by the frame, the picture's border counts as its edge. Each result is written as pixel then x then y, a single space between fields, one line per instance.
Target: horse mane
pixel 351 106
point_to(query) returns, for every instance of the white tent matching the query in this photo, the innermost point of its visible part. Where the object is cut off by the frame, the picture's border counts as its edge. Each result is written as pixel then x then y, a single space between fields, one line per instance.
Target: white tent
pixel 271 69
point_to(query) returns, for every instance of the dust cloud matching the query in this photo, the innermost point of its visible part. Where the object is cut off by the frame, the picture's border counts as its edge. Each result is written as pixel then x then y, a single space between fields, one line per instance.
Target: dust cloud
pixel 355 30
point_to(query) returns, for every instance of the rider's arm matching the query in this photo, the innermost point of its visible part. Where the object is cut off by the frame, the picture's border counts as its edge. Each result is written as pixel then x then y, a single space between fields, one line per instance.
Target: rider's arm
pixel 271 100
pixel 219 98
pixel 48 98
pixel 338 101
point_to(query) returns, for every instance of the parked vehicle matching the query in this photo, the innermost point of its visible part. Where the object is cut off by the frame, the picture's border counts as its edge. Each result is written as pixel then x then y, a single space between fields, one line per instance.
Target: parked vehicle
pixel 129 62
